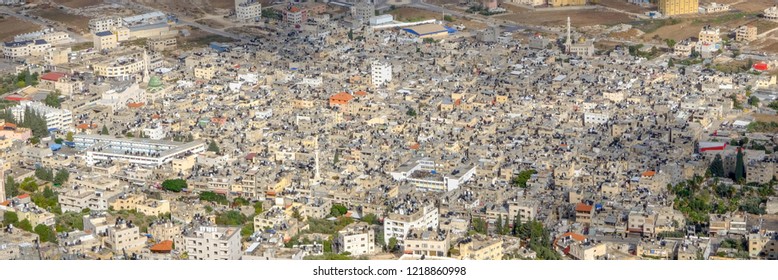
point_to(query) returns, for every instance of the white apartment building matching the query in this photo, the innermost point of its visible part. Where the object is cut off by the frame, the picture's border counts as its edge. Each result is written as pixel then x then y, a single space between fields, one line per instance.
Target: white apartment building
pixel 55 118
pixel 357 239
pixel 25 48
pixel 155 132
pixel 119 96
pixel 425 174
pixel 213 243
pixel 49 35
pixel 771 13
pixel 423 242
pixel 141 151
pixel 595 118
pixel 80 199
pixel 251 10
pixel 406 217
pixel 380 73
pixel 104 24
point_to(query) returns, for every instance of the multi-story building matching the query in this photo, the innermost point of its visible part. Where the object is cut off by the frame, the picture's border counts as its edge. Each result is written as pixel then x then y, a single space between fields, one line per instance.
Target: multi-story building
pixel 145 152
pixel 124 236
pixel 105 40
pixel 77 200
pixel 678 7
pixel 425 174
pixel 362 11
pixel 128 63
pixel 763 246
pixel 213 243
pixel 709 40
pixel 357 239
pixel 584 213
pixel 746 33
pixel 164 43
pixel 428 243
pixel 561 3
pixel 771 13
pixel 251 10
pixel 22 49
pixel 409 215
pixel 60 119
pixel 104 24
pixel 481 247
pixel 295 15
pixel 52 37
pixel 380 73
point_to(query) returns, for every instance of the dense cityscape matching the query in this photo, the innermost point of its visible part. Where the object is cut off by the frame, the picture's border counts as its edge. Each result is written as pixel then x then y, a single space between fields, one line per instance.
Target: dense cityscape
pixel 388 130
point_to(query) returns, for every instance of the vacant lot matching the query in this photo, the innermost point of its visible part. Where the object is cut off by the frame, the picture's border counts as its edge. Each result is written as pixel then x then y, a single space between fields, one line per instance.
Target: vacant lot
pixel 754 5
pixel 79 23
pixel 682 28
pixel 578 18
pixel 408 14
pixel 78 3
pixel 765 118
pixel 624 6
pixel 199 39
pixel 13 26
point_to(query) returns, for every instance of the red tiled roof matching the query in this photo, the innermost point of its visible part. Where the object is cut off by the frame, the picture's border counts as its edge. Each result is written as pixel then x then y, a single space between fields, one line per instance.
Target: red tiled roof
pixel 83 126
pixel 361 93
pixel 581 207
pixel 23 196
pixel 16 97
pixel 294 9
pixel 5 203
pixel 415 146
pixel 10 125
pixel 162 247
pixel 649 173
pixel 53 76
pixel 135 104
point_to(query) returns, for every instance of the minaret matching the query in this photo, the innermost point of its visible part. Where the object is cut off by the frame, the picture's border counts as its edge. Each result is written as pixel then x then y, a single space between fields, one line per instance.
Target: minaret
pixel 569 38
pixel 146 67
pixel 317 176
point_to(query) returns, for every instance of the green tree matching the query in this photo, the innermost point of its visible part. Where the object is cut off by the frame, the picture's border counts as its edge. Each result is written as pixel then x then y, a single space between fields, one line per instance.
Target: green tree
pixel 392 245
pixel 670 43
pixel 247 230
pixel 213 147
pixel 10 218
pixel 69 136
pixel 11 188
pixel 448 18
pixel 296 214
pixel 29 185
pixel 21 84
pixel 370 219
pixel 24 225
pixel 523 177
pixel 740 170
pixel 104 131
pixel 350 34
pixel 717 167
pixel 231 218
pixel 258 207
pixel 174 185
pixel 498 225
pixel 52 99
pixel 214 197
pixel 670 63
pixel 44 174
pixel 516 225
pixel 45 233
pixel 753 101
pixel 61 177
pixel 411 112
pixel 338 210
pixel 479 225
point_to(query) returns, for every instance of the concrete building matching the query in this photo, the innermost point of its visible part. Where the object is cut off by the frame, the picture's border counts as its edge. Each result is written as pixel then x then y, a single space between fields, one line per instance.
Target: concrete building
pixel 746 33
pixel 407 216
pixel 480 247
pixel 363 11
pixel 213 243
pixel 709 41
pixel 144 152
pixel 124 236
pixel 102 24
pixel 60 119
pixel 771 13
pixel 425 174
pixel 357 239
pixel 562 3
pixel 380 73
pixel 428 243
pixel 678 7
pixel 250 10
pixel 23 49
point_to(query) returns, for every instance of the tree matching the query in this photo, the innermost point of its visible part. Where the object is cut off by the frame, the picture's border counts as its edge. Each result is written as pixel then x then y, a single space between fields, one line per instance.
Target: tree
pixel 174 185
pixel 21 84
pixel 231 218
pixel 670 43
pixel 213 147
pixel 392 246
pixel 448 18
pixel 338 210
pixel 44 174
pixel 411 112
pixel 753 101
pixel 350 34
pixel 740 170
pixel 296 214
pixel 670 63
pixel 247 230
pixel 69 136
pixel 24 224
pixel 258 207
pixel 11 188
pixel 104 131
pixel 370 219
pixel 45 233
pixel 29 185
pixel 523 177
pixel 61 177
pixel 52 99
pixel 516 225
pixel 717 167
pixel 479 225
pixel 10 218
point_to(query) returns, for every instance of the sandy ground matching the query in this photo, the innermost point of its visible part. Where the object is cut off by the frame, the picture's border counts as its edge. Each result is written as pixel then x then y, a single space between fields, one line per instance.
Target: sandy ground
pixel 765 118
pixel 754 5
pixel 78 3
pixel 578 17
pixel 13 26
pixel 414 14
pixel 79 23
pixel 686 28
pixel 624 6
